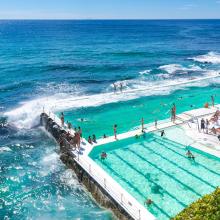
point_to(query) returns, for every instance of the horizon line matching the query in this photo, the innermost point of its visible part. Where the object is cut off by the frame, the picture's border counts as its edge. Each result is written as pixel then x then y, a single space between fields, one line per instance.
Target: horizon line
pixel 101 19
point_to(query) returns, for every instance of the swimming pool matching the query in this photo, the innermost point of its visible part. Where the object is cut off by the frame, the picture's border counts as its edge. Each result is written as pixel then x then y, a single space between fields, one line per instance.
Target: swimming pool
pixel 127 115
pixel 157 168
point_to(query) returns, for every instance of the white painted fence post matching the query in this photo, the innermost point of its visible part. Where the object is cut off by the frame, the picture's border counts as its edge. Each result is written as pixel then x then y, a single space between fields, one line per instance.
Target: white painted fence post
pixel 104 182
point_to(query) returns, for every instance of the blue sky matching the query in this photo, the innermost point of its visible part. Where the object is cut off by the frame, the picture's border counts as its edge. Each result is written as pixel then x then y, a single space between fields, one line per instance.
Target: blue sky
pixel 109 9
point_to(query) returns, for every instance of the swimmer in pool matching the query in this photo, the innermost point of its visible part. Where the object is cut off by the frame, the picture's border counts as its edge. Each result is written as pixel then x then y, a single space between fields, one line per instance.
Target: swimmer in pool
pixel 190 155
pixel 103 155
pixel 148 202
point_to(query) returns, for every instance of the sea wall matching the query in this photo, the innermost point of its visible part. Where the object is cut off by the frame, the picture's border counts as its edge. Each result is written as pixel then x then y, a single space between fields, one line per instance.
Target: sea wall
pixel 70 160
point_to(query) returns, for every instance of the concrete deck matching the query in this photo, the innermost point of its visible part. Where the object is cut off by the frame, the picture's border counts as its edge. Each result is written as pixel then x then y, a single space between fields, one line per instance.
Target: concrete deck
pixel 203 142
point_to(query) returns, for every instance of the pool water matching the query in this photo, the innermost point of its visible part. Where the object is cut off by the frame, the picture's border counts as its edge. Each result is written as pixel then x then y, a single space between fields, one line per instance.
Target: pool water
pixel 157 168
pixel 127 115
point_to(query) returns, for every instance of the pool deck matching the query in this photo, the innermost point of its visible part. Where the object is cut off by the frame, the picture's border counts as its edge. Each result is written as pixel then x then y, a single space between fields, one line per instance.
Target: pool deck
pixel 187 120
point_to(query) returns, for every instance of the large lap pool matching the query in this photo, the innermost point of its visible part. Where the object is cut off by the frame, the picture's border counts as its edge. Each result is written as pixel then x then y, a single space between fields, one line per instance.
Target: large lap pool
pixel 157 168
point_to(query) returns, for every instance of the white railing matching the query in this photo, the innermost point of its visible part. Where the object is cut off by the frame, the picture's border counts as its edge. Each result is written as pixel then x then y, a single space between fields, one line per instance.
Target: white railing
pixel 124 199
pixel 119 196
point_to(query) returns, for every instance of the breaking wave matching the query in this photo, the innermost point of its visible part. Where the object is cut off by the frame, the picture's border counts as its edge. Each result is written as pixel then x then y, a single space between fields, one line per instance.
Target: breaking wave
pixel 179 69
pixel 27 114
pixel 211 57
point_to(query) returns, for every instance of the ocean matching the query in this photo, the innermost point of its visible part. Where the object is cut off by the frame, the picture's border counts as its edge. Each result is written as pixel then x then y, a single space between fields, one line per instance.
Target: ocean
pixel 70 66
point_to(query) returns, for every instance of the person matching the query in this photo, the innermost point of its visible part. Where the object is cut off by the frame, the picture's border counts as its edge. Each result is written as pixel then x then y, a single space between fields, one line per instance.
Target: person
pixel 218 137
pixel 121 87
pixel 80 131
pixel 104 136
pixel 90 139
pixel 77 138
pixel 103 155
pixel 137 136
pixel 155 123
pixel 62 119
pixel 162 133
pixel 207 126
pixel 206 105
pixel 203 124
pixel 115 131
pixel 69 125
pixel 115 87
pixel 213 100
pixel 94 138
pixel 174 112
pixel 148 202
pixel 190 155
pixel 142 124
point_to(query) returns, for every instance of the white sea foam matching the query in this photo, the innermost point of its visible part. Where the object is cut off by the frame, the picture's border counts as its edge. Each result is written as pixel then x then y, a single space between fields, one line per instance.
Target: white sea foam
pixel 27 114
pixel 145 72
pixel 211 57
pixel 5 149
pixel 50 163
pixel 179 69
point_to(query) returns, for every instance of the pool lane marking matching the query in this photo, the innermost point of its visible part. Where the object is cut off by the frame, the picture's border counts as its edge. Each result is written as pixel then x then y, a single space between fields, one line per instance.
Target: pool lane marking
pixel 163 171
pixel 159 141
pixel 138 171
pixel 180 167
pixel 134 187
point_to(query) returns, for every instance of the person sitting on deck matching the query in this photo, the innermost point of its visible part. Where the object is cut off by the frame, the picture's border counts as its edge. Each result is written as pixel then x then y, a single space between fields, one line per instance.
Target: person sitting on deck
pixel 115 131
pixel 94 138
pixel 103 155
pixel 203 124
pixel 190 155
pixel 148 202
pixel 90 139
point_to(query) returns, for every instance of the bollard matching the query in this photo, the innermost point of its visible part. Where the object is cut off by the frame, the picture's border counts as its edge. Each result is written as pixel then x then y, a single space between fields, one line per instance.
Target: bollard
pixel 104 182
pixel 90 168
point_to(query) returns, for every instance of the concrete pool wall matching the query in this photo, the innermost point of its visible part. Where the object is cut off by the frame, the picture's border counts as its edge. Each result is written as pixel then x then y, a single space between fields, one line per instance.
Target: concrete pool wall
pixel 103 188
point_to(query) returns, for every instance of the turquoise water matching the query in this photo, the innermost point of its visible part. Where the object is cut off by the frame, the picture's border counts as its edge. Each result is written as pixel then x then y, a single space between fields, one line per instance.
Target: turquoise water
pixel 157 168
pixel 50 63
pixel 127 115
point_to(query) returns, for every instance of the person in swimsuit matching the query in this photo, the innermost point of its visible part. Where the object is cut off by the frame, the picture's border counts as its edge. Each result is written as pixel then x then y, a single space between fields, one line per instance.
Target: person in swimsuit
pixel 115 131
pixel 190 155
pixel 103 155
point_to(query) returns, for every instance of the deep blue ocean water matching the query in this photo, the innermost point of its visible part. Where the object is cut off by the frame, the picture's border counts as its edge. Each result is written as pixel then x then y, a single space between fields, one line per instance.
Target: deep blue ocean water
pixel 51 62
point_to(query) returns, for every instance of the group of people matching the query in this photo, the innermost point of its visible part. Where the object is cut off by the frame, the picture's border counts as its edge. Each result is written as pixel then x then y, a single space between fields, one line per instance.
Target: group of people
pixel 92 139
pixel 204 125
pixel 73 139
pixel 116 86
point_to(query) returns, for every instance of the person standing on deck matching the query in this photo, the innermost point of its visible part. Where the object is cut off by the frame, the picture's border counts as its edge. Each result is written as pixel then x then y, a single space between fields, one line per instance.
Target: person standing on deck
pixel 155 123
pixel 62 119
pixel 207 126
pixel 115 131
pixel 174 112
pixel 142 124
pixel 203 125
pixel 80 131
pixel 213 100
